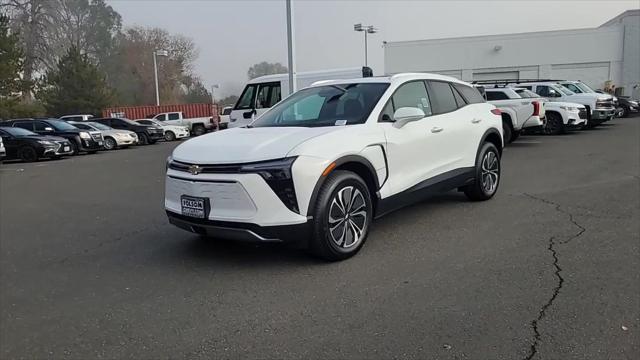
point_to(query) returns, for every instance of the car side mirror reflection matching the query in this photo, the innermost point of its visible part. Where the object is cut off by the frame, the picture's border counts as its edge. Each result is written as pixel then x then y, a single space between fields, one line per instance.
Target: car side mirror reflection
pixel 406 114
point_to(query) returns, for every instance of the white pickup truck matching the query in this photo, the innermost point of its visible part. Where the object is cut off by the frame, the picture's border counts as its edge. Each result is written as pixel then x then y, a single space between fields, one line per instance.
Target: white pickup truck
pixel 197 126
pixel 517 113
pixel 600 107
pixel 560 116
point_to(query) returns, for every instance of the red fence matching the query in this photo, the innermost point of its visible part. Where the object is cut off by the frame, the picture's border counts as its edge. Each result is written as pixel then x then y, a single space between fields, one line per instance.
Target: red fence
pixel 141 112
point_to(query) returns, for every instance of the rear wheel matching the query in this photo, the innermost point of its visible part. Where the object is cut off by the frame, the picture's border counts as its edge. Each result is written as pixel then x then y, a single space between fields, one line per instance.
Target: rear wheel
pixel 110 143
pixel 487 174
pixel 507 130
pixel 554 124
pixel 343 213
pixel 27 154
pixel 198 130
pixel 169 136
pixel 625 112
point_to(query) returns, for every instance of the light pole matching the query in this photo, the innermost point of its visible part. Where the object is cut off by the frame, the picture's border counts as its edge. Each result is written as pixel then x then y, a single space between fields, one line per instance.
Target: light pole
pixel 157 53
pixel 291 51
pixel 213 99
pixel 366 29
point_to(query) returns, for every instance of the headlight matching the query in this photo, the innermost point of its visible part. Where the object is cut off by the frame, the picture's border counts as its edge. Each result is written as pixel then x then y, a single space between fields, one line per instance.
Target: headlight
pixel 169 160
pixel 572 108
pixel 85 135
pixel 46 142
pixel 277 174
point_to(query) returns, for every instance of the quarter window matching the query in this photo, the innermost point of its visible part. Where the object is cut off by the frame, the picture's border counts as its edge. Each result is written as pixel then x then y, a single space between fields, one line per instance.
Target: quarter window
pixel 459 100
pixel 442 97
pixel 470 94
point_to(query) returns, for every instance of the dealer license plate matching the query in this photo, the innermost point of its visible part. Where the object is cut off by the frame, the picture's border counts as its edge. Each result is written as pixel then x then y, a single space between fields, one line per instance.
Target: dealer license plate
pixel 196 207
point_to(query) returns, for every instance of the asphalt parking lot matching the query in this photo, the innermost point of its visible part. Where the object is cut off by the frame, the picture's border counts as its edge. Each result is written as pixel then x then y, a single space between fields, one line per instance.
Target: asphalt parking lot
pixel 548 269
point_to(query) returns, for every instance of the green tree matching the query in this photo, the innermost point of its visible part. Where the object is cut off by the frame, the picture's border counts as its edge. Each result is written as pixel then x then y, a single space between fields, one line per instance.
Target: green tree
pixel 265 68
pixel 75 86
pixel 228 101
pixel 11 66
pixel 196 92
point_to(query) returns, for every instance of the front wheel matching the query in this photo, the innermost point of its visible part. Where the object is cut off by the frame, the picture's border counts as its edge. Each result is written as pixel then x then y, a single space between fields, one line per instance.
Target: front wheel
pixel 487 174
pixel 27 154
pixel 169 136
pixel 110 143
pixel 198 130
pixel 554 124
pixel 342 214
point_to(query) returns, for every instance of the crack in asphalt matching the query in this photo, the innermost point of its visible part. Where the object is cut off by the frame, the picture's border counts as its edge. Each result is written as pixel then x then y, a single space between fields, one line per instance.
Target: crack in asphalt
pixel 556 263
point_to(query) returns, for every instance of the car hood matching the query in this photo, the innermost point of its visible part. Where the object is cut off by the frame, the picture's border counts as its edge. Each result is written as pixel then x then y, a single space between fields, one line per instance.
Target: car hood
pixel 589 97
pixel 239 145
pixel 551 104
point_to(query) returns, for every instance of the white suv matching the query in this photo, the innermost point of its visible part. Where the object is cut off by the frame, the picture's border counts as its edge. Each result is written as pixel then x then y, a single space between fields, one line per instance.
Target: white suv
pixel 321 164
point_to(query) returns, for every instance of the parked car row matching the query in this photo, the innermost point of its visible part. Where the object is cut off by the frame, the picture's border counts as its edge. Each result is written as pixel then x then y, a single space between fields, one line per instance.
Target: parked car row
pixel 33 139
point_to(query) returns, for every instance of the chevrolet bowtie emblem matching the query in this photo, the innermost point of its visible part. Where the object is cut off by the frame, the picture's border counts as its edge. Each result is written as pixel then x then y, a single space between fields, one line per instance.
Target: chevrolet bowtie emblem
pixel 194 169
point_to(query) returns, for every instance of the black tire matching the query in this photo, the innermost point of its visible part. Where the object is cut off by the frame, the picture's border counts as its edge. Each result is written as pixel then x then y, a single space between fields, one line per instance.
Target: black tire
pixel 28 154
pixel 74 148
pixel 554 124
pixel 151 142
pixel 143 139
pixel 110 143
pixel 338 185
pixel 198 130
pixel 169 136
pixel 507 130
pixel 481 189
pixel 625 112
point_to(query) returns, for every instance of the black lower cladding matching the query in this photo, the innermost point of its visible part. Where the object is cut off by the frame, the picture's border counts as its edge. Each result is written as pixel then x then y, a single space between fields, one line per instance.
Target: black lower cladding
pixel 296 233
pixel 425 189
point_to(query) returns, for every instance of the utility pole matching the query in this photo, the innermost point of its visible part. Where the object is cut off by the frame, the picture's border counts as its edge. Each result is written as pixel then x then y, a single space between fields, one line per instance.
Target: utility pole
pixel 367 29
pixel 157 53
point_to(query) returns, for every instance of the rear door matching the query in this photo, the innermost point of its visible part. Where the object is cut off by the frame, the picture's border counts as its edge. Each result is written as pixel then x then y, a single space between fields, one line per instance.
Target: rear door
pixel 174 118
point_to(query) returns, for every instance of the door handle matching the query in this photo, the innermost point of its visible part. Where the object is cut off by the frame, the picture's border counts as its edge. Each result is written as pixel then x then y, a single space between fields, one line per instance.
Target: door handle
pixel 436 129
pixel 475 121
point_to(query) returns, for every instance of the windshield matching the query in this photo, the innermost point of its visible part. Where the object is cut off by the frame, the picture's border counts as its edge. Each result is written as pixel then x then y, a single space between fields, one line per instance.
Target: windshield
pixel 563 90
pixel 584 87
pixel 61 125
pixel 524 93
pixel 98 126
pixel 16 131
pixel 330 105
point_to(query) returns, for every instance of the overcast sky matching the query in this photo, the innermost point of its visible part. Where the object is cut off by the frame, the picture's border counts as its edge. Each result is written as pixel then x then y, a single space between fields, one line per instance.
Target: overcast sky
pixel 233 35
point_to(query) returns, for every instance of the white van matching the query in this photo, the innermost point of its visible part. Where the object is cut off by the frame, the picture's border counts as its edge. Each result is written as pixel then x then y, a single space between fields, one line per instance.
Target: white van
pixel 263 92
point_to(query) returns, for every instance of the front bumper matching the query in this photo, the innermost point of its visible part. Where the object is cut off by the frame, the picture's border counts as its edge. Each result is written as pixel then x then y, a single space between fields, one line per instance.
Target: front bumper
pixel 155 134
pixel 245 232
pixel 61 149
pixel 603 114
pixel 182 134
pixel 576 118
pixel 90 145
pixel 126 140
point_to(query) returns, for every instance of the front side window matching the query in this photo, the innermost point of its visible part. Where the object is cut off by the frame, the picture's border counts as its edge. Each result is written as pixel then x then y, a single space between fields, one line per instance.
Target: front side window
pixel 442 97
pixel 542 90
pixel 246 99
pixel 40 126
pixel 330 105
pixel 162 117
pixel 174 116
pixel 413 94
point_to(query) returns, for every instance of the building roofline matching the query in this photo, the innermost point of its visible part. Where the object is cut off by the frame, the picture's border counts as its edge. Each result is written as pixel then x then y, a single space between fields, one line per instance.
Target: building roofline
pixel 632 12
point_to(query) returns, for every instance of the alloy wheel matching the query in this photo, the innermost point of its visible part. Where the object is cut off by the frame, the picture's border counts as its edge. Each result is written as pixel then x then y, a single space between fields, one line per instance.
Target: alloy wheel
pixel 490 172
pixel 348 217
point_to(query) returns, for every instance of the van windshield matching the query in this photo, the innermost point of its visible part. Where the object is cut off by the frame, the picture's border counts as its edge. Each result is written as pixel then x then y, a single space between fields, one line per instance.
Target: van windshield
pixel 329 105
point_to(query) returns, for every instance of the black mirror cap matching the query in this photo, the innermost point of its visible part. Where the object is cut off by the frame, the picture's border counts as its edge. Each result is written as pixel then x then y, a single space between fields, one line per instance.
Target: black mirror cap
pixel 367 72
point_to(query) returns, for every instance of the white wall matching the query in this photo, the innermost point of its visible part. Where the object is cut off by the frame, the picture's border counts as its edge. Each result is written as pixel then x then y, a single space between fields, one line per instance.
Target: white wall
pixel 596 52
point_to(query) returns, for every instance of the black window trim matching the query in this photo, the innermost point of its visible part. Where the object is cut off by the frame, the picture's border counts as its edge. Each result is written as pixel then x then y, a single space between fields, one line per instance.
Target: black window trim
pixel 426 88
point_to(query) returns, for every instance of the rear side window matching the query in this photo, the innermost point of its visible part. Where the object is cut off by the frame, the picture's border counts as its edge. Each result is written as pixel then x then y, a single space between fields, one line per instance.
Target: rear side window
pixel 442 98
pixel 470 94
pixel 174 116
pixel 496 95
pixel 24 125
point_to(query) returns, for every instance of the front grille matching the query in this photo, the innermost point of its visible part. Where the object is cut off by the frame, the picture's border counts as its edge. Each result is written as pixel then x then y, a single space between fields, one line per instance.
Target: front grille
pixel 604 104
pixel 207 169
pixel 582 113
pixel 96 137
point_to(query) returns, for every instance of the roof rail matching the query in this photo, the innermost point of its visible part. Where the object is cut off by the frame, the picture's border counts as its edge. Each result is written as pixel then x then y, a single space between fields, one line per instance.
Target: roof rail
pixel 513 81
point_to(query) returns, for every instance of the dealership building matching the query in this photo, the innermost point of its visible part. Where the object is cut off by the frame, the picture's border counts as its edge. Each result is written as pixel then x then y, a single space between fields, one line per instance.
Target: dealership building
pixel 602 56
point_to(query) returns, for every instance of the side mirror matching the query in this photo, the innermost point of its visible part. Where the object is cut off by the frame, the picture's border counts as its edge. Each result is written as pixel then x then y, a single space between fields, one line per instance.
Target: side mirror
pixel 48 129
pixel 407 114
pixel 247 115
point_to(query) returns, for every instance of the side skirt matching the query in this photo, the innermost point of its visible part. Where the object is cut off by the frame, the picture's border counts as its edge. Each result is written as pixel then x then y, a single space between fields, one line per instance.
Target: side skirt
pixel 425 189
